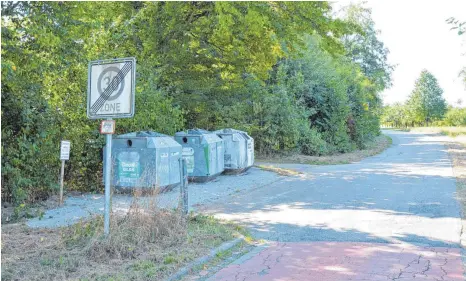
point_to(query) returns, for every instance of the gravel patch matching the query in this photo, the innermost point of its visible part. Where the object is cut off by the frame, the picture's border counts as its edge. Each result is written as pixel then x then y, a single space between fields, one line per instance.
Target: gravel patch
pixel 76 208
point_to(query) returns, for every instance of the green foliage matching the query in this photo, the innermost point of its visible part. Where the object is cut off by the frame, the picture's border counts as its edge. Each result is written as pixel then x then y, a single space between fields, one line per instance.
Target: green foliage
pixel 455 117
pixel 366 49
pixel 311 142
pixel 397 115
pixel 289 73
pixel 459 26
pixel 426 102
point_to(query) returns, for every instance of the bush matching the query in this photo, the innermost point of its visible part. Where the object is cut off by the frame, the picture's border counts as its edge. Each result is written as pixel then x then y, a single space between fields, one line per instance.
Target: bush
pixel 455 117
pixel 311 143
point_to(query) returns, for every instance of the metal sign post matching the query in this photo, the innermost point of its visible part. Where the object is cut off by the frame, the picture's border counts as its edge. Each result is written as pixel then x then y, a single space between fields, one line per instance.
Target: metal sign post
pixel 107 176
pixel 107 127
pixel 64 155
pixel 110 94
pixel 183 203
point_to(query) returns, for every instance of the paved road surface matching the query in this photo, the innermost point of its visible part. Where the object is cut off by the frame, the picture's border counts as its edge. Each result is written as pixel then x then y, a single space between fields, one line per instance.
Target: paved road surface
pixel 389 217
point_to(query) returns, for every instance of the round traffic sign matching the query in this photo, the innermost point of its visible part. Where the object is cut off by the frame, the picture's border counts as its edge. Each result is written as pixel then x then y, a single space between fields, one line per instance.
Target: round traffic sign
pixel 107 76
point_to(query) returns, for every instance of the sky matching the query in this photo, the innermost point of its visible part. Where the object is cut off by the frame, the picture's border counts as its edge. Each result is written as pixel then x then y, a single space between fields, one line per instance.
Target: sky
pixel 418 38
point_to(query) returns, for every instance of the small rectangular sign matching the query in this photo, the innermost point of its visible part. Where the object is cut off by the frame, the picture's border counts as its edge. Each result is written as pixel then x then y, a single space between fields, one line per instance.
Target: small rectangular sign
pixel 107 127
pixel 65 150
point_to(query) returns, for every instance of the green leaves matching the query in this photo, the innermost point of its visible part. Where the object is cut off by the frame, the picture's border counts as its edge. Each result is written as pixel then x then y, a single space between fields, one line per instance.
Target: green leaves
pixel 364 47
pixel 459 26
pixel 426 102
pixel 279 70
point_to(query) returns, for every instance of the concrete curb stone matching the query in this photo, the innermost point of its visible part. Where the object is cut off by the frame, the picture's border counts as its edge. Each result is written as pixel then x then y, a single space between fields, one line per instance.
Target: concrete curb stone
pixel 185 270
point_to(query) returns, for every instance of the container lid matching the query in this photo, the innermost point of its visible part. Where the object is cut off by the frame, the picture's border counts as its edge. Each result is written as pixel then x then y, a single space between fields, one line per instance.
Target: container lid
pixel 196 132
pixel 142 134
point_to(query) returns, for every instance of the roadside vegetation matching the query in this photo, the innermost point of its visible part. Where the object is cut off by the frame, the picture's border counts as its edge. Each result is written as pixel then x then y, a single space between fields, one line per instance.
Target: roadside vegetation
pixel 293 75
pixel 426 108
pixel 378 145
pixel 146 244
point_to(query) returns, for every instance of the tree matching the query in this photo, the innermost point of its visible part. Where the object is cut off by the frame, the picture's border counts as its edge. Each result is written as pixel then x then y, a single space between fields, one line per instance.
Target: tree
pixel 279 70
pixel 426 102
pixel 365 48
pixel 396 115
pixel 460 27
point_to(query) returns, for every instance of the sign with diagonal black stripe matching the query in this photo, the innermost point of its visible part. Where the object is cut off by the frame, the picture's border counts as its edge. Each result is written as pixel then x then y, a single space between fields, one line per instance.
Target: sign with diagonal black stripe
pixel 110 89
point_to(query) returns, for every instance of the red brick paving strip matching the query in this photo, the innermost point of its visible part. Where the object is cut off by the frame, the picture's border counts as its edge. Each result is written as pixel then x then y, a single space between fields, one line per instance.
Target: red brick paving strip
pixel 338 261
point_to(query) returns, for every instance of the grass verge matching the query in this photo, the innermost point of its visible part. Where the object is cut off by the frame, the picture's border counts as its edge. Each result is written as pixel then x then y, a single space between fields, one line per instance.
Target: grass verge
pixel 380 143
pixel 145 244
pixel 457 152
pixel 447 131
pixel 221 260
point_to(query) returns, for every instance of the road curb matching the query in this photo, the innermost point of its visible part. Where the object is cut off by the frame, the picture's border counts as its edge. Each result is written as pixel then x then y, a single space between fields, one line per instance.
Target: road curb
pixel 185 270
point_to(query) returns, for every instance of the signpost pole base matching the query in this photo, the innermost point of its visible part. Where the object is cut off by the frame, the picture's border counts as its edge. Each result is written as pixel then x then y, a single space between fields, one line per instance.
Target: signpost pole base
pixel 62 175
pixel 107 176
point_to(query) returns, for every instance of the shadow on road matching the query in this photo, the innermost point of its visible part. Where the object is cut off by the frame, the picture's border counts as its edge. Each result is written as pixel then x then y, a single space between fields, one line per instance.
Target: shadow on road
pixel 405 194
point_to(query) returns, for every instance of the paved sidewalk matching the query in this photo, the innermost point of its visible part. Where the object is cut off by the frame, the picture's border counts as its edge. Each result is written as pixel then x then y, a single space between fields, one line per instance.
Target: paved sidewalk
pixel 331 261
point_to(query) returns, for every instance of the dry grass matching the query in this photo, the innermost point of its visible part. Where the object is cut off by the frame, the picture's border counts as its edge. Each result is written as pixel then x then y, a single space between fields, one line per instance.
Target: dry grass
pixel 280 171
pixel 448 131
pixel 381 143
pixel 147 243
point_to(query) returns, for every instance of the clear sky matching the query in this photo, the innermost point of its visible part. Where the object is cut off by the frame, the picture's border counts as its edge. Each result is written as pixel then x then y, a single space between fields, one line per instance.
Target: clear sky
pixel 418 37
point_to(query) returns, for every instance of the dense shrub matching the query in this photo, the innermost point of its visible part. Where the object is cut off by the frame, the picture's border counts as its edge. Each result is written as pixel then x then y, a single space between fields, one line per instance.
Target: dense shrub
pixel 455 117
pixel 290 80
pixel 311 143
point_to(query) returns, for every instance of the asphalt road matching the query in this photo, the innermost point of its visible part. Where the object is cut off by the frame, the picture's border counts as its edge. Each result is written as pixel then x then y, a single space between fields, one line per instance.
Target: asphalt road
pixel 401 201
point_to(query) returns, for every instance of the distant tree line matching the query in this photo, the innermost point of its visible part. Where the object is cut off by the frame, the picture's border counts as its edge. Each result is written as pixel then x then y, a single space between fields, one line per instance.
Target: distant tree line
pixel 295 77
pixel 424 107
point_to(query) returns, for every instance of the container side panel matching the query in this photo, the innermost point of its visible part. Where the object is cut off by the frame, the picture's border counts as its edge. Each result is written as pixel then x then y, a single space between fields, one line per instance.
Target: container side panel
pixel 174 173
pixel 163 168
pixel 220 157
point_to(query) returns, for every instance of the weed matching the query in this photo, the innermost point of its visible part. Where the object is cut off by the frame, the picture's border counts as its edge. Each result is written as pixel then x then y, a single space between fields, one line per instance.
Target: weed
pixel 146 243
pixel 248 239
pixel 41 214
pixel 46 262
pixel 169 260
pixel 222 254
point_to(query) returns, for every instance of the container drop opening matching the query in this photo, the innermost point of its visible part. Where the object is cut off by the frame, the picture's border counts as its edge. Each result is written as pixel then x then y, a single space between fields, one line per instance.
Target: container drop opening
pixel 185 139
pixel 130 143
